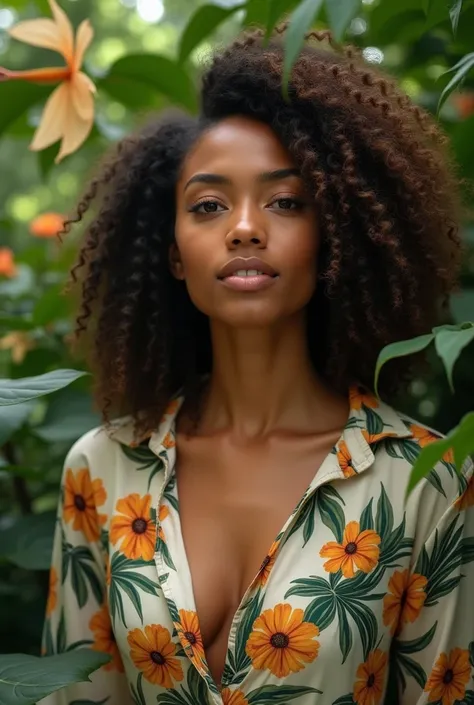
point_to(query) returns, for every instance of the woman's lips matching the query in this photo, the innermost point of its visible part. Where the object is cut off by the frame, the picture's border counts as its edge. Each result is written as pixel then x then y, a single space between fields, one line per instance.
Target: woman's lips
pixel 254 282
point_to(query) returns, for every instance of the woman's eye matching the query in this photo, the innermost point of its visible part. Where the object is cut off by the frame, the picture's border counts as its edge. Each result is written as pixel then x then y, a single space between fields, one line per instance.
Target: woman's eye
pixel 205 207
pixel 288 204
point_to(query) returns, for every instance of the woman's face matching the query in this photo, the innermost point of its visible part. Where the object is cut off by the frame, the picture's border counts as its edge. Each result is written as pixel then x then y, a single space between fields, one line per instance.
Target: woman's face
pixel 246 228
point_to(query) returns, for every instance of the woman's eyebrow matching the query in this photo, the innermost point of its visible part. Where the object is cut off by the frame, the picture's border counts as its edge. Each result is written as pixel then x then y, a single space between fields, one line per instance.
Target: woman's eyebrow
pixel 266 176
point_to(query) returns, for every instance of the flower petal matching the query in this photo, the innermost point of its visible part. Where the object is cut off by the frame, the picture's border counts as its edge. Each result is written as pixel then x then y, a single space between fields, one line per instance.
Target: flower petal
pixel 42 33
pixel 81 96
pixel 64 31
pixel 84 37
pixel 76 129
pixel 53 120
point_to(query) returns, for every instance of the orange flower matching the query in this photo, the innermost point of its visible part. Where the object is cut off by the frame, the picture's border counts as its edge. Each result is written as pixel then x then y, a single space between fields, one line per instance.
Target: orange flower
pixel 233 697
pixel 163 513
pixel 7 263
pixel 81 499
pixel 19 343
pixel 405 599
pixel 466 500
pixel 104 639
pixel 281 642
pixel 358 397
pixel 345 459
pixel 69 110
pixel 267 565
pixel 449 677
pixel 47 225
pixel 425 437
pixel 134 525
pixel 190 634
pixel 374 438
pixel 359 550
pixel 464 102
pixel 370 679
pixel 153 653
pixel 53 591
pixel 168 441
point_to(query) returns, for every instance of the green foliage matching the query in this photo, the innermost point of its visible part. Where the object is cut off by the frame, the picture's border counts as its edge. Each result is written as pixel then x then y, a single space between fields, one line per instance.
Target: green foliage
pixel 26 679
pixel 45 404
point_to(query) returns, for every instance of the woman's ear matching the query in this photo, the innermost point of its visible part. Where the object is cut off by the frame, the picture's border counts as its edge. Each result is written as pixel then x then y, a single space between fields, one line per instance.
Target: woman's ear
pixel 174 258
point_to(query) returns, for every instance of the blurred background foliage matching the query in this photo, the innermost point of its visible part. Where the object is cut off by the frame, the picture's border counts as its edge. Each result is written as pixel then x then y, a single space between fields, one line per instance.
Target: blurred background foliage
pixel 142 59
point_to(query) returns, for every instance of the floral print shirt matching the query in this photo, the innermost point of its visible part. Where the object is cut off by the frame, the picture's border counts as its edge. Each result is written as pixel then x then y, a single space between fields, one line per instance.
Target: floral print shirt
pixel 361 594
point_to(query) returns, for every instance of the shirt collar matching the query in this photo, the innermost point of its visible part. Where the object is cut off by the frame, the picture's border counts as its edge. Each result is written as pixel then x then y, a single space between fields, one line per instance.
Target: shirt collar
pixel 370 421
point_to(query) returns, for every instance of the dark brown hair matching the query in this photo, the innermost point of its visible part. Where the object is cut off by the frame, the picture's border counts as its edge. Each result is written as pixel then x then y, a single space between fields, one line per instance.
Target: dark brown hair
pixel 380 171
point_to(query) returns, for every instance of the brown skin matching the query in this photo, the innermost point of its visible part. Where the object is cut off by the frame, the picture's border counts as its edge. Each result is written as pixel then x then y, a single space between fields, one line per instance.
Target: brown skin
pixel 267 421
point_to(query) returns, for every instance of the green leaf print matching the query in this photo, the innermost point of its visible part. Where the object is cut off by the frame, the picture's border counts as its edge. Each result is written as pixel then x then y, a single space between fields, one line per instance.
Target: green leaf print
pixel 306 520
pixel 82 565
pixel 143 456
pixel 366 518
pixel 196 692
pixel 344 700
pixel 275 694
pixel 238 662
pixel 365 622
pixel 137 693
pixel 61 635
pixel 331 512
pixel 345 633
pixel 309 587
pixel 384 515
pixel 321 612
pixel 448 553
pixel 162 548
pixel 396 546
pixel 173 610
pixel 401 662
pixel 123 579
pixel 374 422
pixel 170 493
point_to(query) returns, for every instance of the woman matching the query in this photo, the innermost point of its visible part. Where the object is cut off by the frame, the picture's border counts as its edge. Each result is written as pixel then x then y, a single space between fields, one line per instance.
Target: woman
pixel 240 536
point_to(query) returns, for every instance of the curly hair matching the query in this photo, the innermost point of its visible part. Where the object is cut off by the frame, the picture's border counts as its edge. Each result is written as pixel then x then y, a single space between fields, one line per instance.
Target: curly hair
pixel 389 205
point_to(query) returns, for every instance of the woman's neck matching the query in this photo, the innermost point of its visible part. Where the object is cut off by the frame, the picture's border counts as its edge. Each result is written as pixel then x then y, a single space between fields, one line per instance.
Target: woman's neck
pixel 263 381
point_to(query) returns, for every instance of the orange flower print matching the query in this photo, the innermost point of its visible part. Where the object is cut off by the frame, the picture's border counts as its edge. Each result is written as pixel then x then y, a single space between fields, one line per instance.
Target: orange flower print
pixel 104 639
pixel 190 634
pixel 345 459
pixel 425 437
pixel 163 513
pixel 133 524
pixel 405 599
pixel 267 565
pixel 53 591
pixel 359 550
pixel 171 409
pixel 449 677
pixel 168 441
pixel 233 697
pixel 81 499
pixel 153 653
pixel 370 679
pixel 375 437
pixel 466 500
pixel 358 397
pixel 281 642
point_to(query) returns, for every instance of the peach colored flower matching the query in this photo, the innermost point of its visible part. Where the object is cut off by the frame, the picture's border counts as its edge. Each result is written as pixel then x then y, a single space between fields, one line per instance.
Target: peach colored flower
pixel 7 263
pixel 69 111
pixel 47 225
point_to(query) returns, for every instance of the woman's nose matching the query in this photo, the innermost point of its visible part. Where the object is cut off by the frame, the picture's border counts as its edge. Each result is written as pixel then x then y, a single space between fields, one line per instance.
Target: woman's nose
pixel 248 231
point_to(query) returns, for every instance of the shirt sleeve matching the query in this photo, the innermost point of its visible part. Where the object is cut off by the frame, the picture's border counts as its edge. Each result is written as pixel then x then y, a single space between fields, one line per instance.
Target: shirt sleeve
pixel 432 657
pixel 76 613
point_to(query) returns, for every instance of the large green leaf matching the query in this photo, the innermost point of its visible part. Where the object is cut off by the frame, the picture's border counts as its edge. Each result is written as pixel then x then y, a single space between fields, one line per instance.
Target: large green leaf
pixel 158 73
pixel 276 11
pixel 300 22
pixel 28 541
pixel 460 440
pixel 461 70
pixel 340 13
pixel 449 345
pixel 401 349
pixel 13 419
pixel 68 416
pixel 18 391
pixel 454 14
pixel 204 21
pixel 26 679
pixel 16 98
